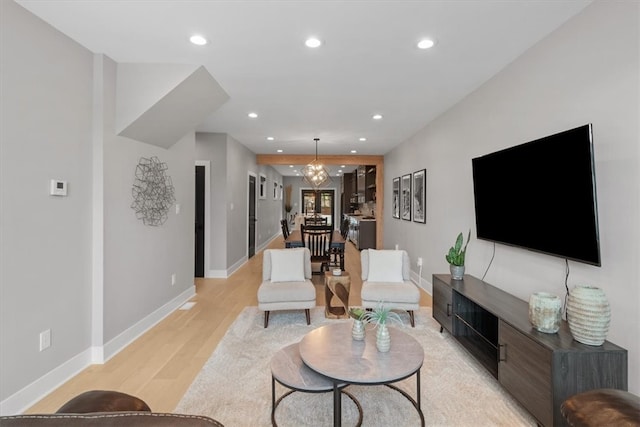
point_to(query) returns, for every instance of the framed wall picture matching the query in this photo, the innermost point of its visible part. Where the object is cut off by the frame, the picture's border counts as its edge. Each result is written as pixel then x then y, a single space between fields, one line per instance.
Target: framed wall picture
pixel 405 195
pixel 262 192
pixel 396 198
pixel 419 196
pixel 275 190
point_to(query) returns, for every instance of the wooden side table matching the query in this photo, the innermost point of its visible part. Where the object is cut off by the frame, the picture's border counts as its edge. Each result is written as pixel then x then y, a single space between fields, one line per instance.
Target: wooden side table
pixel 339 287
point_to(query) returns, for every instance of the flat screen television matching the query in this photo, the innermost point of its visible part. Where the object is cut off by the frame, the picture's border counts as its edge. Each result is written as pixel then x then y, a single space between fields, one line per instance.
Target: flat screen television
pixel 541 196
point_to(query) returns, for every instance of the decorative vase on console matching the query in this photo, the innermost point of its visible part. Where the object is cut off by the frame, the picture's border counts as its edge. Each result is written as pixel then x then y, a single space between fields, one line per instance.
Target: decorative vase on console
pixel 545 312
pixel 588 314
pixel 455 257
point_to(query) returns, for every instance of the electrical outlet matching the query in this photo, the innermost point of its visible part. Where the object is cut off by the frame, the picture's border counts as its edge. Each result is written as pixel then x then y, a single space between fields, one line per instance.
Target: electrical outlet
pixel 45 339
pixel 419 262
pixel 173 279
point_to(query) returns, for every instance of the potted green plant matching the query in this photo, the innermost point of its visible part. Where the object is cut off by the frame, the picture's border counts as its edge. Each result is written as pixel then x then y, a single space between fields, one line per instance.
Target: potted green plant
pixel 357 330
pixel 380 316
pixel 456 256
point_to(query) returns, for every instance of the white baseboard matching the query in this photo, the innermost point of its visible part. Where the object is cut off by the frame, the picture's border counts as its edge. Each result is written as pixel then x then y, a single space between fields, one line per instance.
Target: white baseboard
pixel 422 283
pixel 34 392
pixel 31 394
pixel 216 274
pixel 125 338
pixel 223 274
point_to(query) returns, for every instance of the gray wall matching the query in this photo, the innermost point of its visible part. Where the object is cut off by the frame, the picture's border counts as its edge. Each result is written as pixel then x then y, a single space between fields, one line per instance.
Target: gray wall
pixel 45 247
pixel 213 148
pixel 49 91
pixel 585 72
pixel 140 259
pixel 231 164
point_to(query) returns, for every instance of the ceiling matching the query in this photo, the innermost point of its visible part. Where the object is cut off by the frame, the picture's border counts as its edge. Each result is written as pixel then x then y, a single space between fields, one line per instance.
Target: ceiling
pixel 368 63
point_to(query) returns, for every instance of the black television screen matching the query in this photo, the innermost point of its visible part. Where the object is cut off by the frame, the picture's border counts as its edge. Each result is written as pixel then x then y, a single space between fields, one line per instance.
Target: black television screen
pixel 541 196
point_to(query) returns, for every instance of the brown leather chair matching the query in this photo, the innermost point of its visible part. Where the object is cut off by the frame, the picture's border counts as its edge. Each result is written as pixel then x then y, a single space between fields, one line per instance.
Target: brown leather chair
pixel 602 407
pixel 103 408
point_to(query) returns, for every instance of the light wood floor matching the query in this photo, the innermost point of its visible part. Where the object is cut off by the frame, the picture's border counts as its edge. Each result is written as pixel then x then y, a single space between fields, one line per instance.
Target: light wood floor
pixel 160 365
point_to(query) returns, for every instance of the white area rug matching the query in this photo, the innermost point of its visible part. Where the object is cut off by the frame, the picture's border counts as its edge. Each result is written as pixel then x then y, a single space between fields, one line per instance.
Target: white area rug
pixel 234 386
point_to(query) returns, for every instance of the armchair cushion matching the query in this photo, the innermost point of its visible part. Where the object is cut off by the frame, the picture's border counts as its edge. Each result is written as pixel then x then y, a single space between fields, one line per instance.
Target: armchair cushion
pixel 267 262
pixel 385 266
pixel 287 265
pixel 365 263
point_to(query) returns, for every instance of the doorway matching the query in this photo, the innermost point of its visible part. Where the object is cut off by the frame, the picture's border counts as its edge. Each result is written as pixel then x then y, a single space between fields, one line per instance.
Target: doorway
pixel 199 222
pixel 252 217
pixel 320 202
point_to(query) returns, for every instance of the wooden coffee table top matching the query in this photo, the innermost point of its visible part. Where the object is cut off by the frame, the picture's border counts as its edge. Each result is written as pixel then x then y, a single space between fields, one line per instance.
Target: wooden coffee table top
pixel 331 351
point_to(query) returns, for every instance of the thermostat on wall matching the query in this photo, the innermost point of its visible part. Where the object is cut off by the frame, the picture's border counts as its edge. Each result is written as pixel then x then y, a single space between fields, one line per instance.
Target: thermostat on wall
pixel 58 188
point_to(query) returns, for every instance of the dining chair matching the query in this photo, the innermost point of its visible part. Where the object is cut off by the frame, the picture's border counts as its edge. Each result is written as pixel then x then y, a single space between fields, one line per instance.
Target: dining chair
pixel 318 238
pixel 285 228
pixel 315 220
pixel 335 251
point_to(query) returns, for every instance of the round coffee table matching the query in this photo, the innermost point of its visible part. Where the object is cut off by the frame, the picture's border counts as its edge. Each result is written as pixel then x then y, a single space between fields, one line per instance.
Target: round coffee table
pixel 331 351
pixel 288 369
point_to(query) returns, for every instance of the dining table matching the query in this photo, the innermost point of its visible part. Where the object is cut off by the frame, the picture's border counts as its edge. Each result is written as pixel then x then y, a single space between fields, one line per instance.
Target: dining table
pixel 337 242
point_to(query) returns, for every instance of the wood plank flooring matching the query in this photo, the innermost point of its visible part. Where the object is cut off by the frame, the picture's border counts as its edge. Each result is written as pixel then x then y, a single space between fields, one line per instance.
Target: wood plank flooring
pixel 160 365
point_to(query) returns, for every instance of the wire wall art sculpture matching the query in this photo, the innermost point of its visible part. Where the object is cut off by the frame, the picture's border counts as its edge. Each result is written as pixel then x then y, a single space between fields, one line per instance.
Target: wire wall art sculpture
pixel 153 192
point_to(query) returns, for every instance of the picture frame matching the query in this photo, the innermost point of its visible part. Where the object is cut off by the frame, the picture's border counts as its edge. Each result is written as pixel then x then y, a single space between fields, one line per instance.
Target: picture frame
pixel 275 190
pixel 395 203
pixel 405 196
pixel 419 200
pixel 262 186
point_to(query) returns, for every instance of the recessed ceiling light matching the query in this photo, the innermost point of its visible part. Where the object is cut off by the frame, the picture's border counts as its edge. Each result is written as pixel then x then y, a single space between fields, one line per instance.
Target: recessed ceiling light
pixel 279 151
pixel 377 116
pixel 342 166
pixel 252 115
pixel 198 40
pixel 339 170
pixel 353 151
pixel 363 139
pixel 270 138
pixel 426 44
pixel 313 42
pixel 290 166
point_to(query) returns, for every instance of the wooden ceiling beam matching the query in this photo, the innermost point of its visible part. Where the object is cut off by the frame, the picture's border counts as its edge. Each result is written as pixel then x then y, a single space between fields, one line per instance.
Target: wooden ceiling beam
pixel 331 159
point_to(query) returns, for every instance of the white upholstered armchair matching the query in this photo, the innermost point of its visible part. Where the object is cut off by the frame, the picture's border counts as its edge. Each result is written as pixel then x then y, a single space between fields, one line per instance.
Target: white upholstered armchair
pixel 386 277
pixel 286 282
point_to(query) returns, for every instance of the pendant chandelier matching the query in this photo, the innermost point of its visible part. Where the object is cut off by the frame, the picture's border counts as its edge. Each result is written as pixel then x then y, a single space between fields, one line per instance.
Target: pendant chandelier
pixel 315 174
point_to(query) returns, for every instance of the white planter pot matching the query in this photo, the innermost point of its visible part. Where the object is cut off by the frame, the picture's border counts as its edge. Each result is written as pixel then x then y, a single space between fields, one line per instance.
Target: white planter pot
pixel 588 314
pixel 544 312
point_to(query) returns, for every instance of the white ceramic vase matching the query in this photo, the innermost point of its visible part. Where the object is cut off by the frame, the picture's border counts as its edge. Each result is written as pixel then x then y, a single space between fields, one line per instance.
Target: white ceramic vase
pixel 588 314
pixel 544 312
pixel 383 339
pixel 457 271
pixel 357 330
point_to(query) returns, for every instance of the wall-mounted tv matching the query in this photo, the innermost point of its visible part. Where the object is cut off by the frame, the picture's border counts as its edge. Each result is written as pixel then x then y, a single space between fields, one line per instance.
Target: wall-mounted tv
pixel 541 196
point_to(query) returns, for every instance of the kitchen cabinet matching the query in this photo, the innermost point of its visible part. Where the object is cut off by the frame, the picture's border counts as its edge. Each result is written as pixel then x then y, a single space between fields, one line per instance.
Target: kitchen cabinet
pixel 362 232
